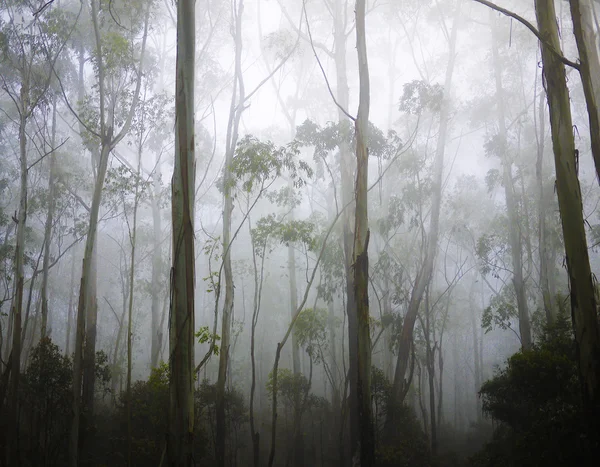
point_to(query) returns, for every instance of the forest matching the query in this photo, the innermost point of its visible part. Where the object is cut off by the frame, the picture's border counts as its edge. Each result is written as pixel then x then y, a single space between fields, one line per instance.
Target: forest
pixel 297 233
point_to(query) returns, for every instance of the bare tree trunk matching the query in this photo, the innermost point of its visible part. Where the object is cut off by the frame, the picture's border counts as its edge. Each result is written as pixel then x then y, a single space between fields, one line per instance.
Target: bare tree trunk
pixel 180 441
pixel 12 450
pixel 589 67
pixel 583 298
pixel 516 249
pixel 424 275
pixel 70 309
pixel 235 113
pixel 298 435
pixel 545 262
pixel 366 449
pixel 157 331
pixel 48 226
pixel 347 165
pixel 132 239
pixel 477 375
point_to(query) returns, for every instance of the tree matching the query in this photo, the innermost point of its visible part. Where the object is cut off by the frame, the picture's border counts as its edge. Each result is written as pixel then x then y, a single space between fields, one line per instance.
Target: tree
pixel 589 67
pixel 583 297
pixel 425 271
pixel 29 51
pixel 510 194
pixel 181 330
pixel 366 449
pixel 107 68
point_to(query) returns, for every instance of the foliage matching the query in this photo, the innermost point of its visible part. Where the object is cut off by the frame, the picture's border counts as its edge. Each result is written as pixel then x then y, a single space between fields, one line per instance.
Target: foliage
pixel 204 335
pixel 418 96
pixel 46 393
pixel 311 331
pixel 149 405
pixel 257 164
pixel 405 445
pixel 282 231
pixel 290 386
pixel 536 399
pixel 501 311
pixel 235 405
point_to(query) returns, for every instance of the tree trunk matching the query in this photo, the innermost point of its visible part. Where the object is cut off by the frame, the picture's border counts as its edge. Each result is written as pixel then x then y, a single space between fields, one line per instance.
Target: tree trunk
pixel 511 202
pixel 347 165
pixel 366 448
pixel 180 441
pixel 70 309
pixel 157 331
pixel 298 435
pixel 12 450
pixel 589 67
pixel 583 299
pixel 235 113
pixel 132 239
pixel 406 338
pixel 545 262
pixel 48 226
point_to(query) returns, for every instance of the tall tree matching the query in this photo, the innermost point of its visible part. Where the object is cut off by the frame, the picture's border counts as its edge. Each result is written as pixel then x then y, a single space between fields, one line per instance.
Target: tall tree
pixel 426 269
pixel 589 69
pixel 27 58
pixel 366 449
pixel 109 138
pixel 235 115
pixel 181 329
pixel 515 234
pixel 583 295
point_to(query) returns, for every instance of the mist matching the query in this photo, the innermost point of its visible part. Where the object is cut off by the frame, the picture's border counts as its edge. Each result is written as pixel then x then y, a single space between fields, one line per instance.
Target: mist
pixel 299 233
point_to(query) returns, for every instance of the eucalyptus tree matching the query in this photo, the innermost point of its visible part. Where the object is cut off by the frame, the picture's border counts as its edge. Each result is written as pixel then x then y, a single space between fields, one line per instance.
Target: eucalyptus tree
pixel 589 69
pixel 583 296
pixel 515 233
pixel 180 436
pixel 30 46
pixel 239 102
pixel 426 268
pixel 115 71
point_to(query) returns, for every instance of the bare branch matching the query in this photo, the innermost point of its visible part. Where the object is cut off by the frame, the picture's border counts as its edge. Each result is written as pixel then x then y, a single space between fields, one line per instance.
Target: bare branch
pixel 532 28
pixel 321 66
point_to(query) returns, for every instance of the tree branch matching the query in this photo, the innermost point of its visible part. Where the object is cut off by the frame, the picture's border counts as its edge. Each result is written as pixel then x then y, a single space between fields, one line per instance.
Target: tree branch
pixel 321 66
pixel 532 28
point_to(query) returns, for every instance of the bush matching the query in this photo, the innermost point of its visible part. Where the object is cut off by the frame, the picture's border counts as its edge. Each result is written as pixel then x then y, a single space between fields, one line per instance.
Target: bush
pixel 536 399
pixel 46 397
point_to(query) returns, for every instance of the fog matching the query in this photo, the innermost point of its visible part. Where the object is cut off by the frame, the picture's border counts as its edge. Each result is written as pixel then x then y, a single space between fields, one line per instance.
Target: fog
pixel 299 232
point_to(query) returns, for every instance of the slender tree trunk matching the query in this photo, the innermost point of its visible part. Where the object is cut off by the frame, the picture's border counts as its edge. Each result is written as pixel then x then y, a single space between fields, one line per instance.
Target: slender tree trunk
pixel 477 379
pixel 583 298
pixel 347 165
pixel 424 276
pixel 545 263
pixel 180 441
pixel 70 309
pixel 366 449
pixel 157 330
pixel 516 248
pixel 12 450
pixel 235 113
pixel 589 67
pixel 298 435
pixel 48 226
pixel 132 239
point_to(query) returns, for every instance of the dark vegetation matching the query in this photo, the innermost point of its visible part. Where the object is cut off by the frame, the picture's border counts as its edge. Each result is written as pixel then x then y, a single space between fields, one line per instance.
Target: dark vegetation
pixel 532 407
